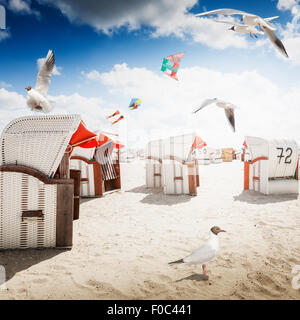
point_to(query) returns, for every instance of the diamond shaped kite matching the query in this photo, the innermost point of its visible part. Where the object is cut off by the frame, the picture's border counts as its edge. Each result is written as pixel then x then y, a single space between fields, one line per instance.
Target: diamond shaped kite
pixel 135 103
pixel 171 64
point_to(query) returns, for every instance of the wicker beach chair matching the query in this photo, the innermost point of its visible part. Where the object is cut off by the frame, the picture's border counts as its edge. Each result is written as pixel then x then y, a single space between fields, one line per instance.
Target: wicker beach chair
pixel 171 164
pixel 100 172
pixel 36 192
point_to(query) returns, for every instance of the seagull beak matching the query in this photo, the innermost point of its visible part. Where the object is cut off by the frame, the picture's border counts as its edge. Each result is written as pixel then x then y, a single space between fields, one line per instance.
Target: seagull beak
pixel 222 231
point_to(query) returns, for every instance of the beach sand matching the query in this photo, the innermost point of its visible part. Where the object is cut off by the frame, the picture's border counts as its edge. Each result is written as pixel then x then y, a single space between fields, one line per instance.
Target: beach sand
pixel 124 241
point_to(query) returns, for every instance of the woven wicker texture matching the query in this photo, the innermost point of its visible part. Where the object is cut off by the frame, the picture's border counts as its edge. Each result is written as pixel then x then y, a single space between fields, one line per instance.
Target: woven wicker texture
pixel 104 156
pixel 87 184
pixel 20 192
pixel 38 142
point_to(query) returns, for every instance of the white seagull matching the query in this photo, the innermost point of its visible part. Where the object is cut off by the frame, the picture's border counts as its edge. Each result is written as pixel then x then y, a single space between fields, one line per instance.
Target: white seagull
pixel 241 28
pixel 38 97
pixel 253 21
pixel 205 253
pixel 227 106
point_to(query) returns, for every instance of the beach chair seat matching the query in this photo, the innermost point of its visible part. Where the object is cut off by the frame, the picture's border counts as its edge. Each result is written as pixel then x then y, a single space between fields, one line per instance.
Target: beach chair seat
pixel 272 166
pixel 36 191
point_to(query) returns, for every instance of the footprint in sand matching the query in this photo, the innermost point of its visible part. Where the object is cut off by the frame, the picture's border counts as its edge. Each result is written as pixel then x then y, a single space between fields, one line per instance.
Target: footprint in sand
pixel 59 268
pixel 266 284
pixel 39 281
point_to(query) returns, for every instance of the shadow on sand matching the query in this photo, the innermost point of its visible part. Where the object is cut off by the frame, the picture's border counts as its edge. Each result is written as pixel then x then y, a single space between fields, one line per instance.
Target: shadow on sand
pixel 156 196
pixel 259 198
pixel 195 277
pixel 18 260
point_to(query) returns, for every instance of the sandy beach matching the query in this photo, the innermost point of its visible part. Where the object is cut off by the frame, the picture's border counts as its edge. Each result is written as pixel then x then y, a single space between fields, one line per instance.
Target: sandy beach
pixel 124 241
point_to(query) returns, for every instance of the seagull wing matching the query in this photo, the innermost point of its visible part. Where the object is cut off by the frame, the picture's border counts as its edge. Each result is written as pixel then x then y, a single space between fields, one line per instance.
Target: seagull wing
pixel 222 11
pixel 271 18
pixel 44 75
pixel 203 254
pixel 264 23
pixel 205 103
pixel 231 23
pixel 229 112
pixel 275 40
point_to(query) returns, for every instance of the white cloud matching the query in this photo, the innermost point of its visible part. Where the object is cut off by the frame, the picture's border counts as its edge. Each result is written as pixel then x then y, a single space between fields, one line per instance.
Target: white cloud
pixel 22 7
pixel 93 110
pixel 167 105
pixel 4 35
pixel 265 110
pixel 19 6
pixel 286 4
pixel 12 105
pixel 56 70
pixel 290 34
pixel 3 84
pixel 165 17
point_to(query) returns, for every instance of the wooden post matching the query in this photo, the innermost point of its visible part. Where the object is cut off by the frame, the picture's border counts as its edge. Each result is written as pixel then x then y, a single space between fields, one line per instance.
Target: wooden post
pixel 64 215
pixel 192 179
pixel 64 167
pixel 75 175
pixel 246 175
pixel 197 173
pixel 118 171
pixel 98 181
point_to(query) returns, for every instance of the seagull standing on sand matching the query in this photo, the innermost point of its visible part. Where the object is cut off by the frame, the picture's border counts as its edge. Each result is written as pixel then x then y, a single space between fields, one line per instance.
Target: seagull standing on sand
pixel 205 253
pixel 227 106
pixel 253 21
pixel 38 97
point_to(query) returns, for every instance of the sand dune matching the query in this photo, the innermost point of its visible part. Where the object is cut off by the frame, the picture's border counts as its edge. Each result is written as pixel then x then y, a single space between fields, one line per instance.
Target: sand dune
pixel 124 241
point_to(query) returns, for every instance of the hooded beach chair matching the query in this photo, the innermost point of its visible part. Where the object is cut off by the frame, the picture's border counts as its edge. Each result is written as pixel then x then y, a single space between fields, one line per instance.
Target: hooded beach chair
pixel 272 167
pixel 99 166
pixel 37 200
pixel 172 165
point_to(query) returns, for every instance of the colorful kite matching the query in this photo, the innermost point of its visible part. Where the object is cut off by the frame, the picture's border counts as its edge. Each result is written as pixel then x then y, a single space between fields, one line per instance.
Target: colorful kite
pixel 171 64
pixel 135 103
pixel 122 117
pixel 114 114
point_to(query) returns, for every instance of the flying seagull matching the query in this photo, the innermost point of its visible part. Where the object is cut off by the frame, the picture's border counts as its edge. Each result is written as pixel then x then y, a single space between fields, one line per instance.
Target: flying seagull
pixel 205 253
pixel 38 96
pixel 253 20
pixel 227 106
pixel 241 28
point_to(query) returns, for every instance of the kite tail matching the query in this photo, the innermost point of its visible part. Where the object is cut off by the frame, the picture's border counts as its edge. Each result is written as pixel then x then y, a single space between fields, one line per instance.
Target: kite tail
pixel 114 114
pixel 122 117
pixel 176 262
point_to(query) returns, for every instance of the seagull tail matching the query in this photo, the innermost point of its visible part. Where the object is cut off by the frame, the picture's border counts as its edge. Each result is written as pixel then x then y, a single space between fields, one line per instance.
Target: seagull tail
pixel 176 262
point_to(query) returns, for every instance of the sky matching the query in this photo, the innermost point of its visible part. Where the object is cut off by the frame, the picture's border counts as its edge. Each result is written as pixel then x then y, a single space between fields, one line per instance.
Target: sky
pixel 108 52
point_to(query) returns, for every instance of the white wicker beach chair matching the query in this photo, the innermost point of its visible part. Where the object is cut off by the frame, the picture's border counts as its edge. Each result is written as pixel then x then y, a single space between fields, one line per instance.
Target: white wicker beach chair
pixel 170 165
pixel 36 209
pixel 99 171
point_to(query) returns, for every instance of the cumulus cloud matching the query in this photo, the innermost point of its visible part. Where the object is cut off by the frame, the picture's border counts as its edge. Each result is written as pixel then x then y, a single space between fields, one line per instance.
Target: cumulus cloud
pixel 93 110
pixel 21 7
pixel 265 110
pixel 4 35
pixel 290 33
pixel 3 84
pixel 167 105
pixel 164 17
pixel 286 4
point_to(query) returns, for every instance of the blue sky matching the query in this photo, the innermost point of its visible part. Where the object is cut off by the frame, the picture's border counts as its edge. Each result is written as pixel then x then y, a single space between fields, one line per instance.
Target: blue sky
pixel 82 44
